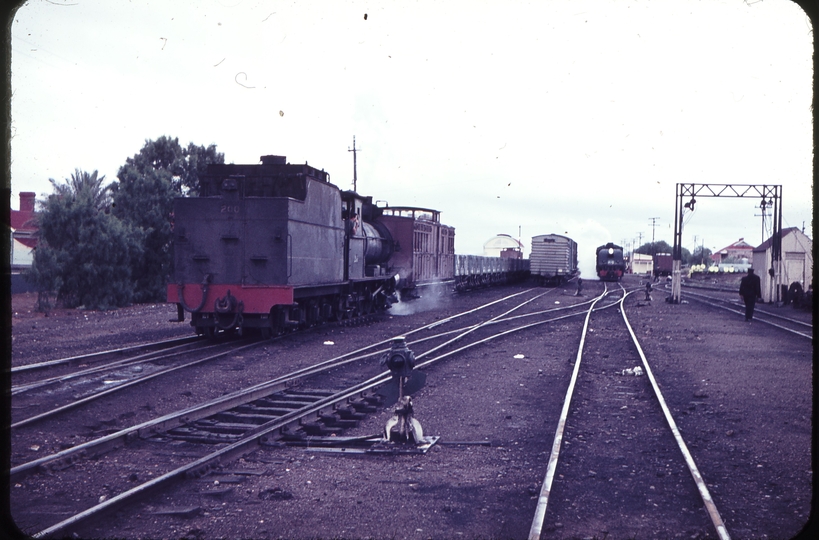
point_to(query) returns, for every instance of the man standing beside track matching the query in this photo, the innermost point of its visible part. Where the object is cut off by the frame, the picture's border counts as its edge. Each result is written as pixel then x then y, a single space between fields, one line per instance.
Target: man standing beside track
pixel 750 289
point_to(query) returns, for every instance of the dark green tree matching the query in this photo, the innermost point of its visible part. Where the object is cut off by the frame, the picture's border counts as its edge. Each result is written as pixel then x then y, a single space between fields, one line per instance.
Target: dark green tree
pixel 143 197
pixel 687 259
pixel 702 255
pixel 653 248
pixel 145 201
pixel 84 253
pixel 185 165
pixel 661 246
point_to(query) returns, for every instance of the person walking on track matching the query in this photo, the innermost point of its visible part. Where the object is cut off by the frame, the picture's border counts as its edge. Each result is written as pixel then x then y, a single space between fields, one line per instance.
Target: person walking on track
pixel 750 290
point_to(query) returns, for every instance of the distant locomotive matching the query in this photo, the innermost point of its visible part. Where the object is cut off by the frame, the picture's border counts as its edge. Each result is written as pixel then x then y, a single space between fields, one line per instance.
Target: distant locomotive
pixel 610 263
pixel 553 260
pixel 275 245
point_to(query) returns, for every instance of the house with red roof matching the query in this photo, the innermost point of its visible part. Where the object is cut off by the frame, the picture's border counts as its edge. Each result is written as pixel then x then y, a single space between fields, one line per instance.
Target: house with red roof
pixel 734 253
pixel 23 231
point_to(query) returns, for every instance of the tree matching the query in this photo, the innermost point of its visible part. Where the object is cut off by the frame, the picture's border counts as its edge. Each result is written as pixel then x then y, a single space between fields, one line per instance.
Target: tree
pixel 702 255
pixel 84 253
pixel 185 165
pixel 84 185
pixel 653 248
pixel 145 201
pixel 661 246
pixel 143 197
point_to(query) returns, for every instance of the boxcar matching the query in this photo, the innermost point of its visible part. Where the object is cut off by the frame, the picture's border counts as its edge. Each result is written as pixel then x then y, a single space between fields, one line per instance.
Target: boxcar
pixel 663 264
pixel 553 259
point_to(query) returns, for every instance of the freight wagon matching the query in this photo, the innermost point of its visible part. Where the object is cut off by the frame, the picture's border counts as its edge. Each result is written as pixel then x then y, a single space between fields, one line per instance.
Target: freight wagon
pixel 553 260
pixel 663 263
pixel 473 271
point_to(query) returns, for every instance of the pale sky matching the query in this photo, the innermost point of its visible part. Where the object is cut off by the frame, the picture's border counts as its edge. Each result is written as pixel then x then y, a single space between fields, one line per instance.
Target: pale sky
pixel 570 117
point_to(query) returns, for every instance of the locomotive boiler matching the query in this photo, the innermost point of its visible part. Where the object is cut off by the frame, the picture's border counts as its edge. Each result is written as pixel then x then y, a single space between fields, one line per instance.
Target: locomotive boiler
pixel 610 263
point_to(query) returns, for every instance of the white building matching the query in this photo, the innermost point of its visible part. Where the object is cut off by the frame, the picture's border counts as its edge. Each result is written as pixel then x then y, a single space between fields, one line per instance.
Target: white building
pixel 642 264
pixel 499 244
pixel 797 263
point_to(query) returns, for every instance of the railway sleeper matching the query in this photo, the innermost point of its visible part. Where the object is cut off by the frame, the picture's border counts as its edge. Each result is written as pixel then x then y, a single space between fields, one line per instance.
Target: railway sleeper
pixel 318 428
pixel 208 438
pixel 223 427
pixel 204 470
pixel 291 397
pixel 259 409
pixel 243 418
pixel 291 404
pixel 348 413
pixel 332 420
pixel 315 394
pixel 59 464
pixel 363 407
pixel 288 398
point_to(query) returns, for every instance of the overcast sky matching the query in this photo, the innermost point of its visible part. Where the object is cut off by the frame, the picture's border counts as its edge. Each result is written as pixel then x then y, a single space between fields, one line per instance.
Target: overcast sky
pixel 571 117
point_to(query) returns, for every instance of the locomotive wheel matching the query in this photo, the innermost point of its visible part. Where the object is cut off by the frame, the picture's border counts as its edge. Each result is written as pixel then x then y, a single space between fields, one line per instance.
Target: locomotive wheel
pixel 325 309
pixel 340 312
pixel 367 305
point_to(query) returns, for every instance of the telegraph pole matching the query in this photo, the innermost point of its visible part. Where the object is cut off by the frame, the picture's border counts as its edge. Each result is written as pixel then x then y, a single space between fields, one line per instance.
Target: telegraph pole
pixel 355 172
pixel 653 225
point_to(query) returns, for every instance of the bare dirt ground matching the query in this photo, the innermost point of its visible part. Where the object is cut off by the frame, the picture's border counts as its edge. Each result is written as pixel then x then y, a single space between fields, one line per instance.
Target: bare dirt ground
pixel 741 394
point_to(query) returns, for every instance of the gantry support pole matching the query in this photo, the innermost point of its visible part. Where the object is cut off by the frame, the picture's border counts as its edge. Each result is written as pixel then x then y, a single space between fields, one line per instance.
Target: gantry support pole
pixel 773 194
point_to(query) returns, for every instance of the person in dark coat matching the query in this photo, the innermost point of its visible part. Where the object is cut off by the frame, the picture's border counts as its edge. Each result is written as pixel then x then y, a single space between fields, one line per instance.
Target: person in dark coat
pixel 750 290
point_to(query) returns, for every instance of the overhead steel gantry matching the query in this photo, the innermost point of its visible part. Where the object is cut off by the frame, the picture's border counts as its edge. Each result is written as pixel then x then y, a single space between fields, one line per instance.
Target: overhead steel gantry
pixel 686 198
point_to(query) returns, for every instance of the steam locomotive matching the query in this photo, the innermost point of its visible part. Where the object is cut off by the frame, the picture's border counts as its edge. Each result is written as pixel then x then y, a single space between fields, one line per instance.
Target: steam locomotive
pixel 610 263
pixel 275 245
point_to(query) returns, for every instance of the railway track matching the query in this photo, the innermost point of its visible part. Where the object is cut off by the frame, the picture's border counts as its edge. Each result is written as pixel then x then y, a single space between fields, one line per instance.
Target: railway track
pixel 762 313
pixel 253 416
pixel 48 389
pixel 32 377
pixel 195 444
pixel 40 401
pixel 613 395
pixel 101 356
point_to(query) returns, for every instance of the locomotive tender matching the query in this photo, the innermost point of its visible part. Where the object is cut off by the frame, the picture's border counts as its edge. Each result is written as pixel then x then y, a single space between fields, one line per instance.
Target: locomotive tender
pixel 610 263
pixel 553 259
